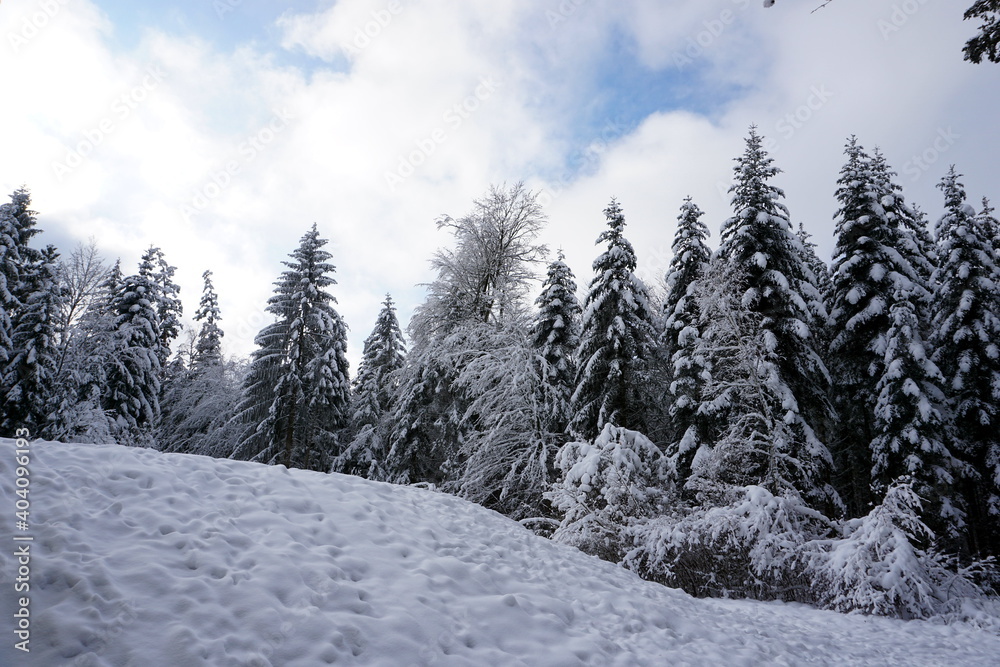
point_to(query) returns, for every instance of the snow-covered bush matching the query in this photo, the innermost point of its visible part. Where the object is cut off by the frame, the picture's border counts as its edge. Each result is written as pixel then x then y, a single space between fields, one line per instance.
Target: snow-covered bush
pixel 753 546
pixel 880 566
pixel 605 485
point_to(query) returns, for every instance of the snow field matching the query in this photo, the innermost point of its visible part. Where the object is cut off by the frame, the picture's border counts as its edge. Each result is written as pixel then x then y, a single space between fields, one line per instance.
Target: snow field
pixel 142 558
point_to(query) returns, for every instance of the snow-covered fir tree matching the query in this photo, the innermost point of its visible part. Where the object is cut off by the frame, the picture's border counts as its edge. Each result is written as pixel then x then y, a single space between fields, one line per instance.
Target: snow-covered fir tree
pixel 888 389
pixel 766 259
pixel 384 355
pixel 616 340
pixel 820 271
pixel 132 369
pixel 990 226
pixel 17 227
pixel 910 423
pixel 29 378
pixel 208 345
pixel 915 242
pixel 375 387
pixel 868 268
pixel 679 339
pixel 966 338
pixel 155 268
pixel 555 336
pixel 690 256
pixel 296 397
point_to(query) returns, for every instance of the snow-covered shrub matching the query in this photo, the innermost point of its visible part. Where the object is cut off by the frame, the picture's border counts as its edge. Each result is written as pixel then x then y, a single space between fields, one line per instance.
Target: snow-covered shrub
pixel 605 485
pixel 879 566
pixel 753 546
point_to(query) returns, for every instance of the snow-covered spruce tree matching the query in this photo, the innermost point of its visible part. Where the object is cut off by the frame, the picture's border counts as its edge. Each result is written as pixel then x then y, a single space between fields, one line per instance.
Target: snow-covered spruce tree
pixel 132 369
pixel 966 339
pixel 296 396
pixel 168 305
pixel 17 227
pixel 208 345
pixel 888 388
pixel 30 393
pixel 990 225
pixel 616 340
pixel 868 265
pixel 482 280
pixel 820 277
pixel 555 336
pixel 766 259
pixel 375 386
pixel 915 243
pixel 680 336
pixel 909 420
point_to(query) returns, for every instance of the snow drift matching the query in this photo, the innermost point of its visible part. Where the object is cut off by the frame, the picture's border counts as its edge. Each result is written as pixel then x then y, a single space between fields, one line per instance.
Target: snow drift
pixel 164 559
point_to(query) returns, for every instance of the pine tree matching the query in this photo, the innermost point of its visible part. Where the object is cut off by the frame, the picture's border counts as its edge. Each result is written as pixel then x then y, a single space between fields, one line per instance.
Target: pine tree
pixel 132 372
pixel 208 344
pixel 616 340
pixel 168 305
pixel 680 336
pixel 555 335
pixel 766 258
pixel 297 394
pixel 375 387
pixel 29 379
pixel 966 339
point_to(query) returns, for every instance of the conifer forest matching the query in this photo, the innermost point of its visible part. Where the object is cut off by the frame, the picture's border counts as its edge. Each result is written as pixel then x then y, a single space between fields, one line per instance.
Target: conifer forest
pixel 762 423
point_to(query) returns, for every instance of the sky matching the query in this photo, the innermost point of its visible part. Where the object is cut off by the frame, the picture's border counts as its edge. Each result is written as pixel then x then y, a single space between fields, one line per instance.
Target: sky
pixel 221 130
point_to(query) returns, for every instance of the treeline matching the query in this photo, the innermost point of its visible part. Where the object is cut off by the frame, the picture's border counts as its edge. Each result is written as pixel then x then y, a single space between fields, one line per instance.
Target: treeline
pixel 772 427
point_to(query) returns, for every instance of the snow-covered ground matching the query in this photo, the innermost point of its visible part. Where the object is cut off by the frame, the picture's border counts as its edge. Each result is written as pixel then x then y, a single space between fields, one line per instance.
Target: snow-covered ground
pixel 142 558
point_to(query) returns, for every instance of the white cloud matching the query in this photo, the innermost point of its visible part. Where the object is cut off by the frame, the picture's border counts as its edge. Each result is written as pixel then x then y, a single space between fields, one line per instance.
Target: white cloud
pixel 271 148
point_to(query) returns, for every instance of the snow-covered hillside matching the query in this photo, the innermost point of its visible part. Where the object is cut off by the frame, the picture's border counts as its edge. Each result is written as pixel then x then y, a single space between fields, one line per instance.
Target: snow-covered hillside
pixel 142 558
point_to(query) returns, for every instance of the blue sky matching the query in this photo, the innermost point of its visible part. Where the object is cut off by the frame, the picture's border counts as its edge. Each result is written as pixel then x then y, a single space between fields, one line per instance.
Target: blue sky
pixel 221 136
